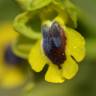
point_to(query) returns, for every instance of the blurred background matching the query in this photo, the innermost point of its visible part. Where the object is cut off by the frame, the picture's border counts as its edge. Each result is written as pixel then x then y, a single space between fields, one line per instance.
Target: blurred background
pixel 84 84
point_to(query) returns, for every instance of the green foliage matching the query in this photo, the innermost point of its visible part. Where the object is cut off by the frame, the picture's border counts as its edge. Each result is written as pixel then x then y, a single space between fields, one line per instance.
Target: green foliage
pixel 32 5
pixel 69 9
pixel 29 23
pixel 22 46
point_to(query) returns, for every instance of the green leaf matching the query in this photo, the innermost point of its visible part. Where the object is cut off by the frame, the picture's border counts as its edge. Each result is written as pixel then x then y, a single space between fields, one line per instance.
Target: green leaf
pixel 29 25
pixel 31 5
pixel 22 46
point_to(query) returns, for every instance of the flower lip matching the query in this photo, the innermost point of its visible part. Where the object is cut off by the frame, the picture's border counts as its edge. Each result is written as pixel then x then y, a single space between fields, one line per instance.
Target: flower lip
pixel 54 43
pixel 10 57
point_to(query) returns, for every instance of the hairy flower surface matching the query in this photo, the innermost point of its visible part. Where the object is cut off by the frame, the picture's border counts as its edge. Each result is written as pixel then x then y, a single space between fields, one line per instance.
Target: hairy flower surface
pixel 62 48
pixel 10 74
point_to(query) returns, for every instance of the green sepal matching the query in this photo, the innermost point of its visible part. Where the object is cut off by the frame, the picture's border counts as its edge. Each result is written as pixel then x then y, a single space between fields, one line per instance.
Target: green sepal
pixel 22 46
pixel 69 10
pixel 31 5
pixel 28 24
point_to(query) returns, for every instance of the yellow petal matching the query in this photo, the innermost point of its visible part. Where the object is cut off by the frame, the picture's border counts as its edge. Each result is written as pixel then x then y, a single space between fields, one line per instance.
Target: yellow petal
pixel 54 74
pixel 7 33
pixel 36 57
pixel 13 78
pixel 70 68
pixel 75 44
pixel 2 71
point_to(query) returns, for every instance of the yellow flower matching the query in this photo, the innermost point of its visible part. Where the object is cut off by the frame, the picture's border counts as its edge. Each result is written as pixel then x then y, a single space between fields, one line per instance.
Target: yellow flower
pixel 61 48
pixel 10 74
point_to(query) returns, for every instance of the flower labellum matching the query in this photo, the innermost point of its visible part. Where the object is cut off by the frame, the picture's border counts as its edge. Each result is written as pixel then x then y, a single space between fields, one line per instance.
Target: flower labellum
pixel 62 49
pixel 54 43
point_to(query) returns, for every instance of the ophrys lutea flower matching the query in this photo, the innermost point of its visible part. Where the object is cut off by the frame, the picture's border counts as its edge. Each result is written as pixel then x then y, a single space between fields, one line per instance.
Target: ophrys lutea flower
pixel 11 74
pixel 60 47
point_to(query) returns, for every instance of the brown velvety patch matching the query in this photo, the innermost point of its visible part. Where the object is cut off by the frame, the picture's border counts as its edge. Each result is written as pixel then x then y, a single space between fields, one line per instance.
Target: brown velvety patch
pixel 54 43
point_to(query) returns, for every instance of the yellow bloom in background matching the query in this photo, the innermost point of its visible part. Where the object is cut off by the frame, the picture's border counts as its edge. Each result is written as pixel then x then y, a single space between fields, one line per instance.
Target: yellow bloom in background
pixel 11 75
pixel 61 48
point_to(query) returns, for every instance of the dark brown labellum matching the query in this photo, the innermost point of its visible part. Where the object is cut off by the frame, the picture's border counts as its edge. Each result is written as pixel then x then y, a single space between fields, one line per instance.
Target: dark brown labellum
pixel 54 43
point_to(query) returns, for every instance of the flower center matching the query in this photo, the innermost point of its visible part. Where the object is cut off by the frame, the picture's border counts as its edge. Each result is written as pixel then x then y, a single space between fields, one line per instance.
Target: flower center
pixel 10 57
pixel 54 42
